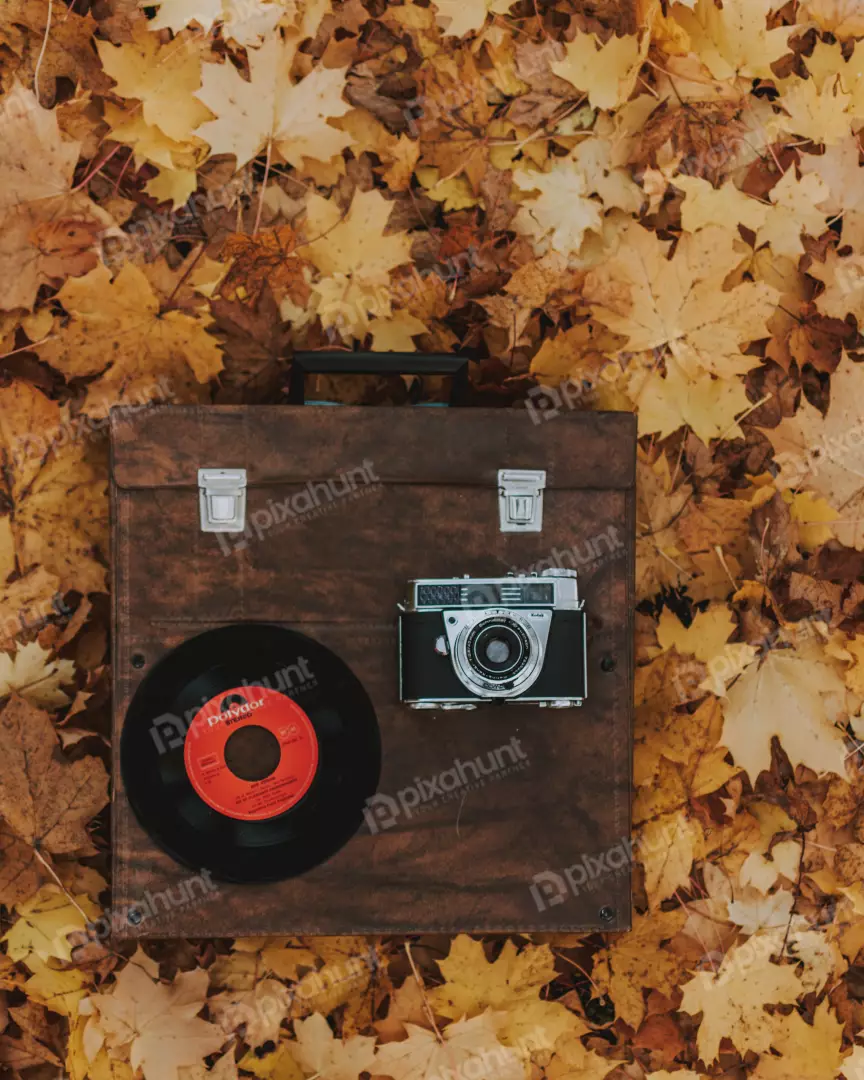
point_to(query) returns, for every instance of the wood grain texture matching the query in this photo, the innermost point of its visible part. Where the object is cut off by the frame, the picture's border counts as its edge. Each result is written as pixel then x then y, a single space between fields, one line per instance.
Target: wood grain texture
pixel 336 572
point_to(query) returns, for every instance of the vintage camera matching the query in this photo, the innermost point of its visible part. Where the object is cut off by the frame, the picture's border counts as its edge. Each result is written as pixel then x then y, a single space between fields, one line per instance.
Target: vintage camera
pixel 519 638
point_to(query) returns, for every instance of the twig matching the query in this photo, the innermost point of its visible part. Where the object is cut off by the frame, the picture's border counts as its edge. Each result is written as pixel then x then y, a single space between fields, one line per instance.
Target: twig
pixel 263 185
pixel 27 348
pixel 746 413
pixel 42 50
pixel 66 892
pixel 426 1006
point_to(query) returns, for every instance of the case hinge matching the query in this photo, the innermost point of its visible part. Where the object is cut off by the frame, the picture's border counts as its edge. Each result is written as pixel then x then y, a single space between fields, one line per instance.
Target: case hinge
pixel 520 499
pixel 222 497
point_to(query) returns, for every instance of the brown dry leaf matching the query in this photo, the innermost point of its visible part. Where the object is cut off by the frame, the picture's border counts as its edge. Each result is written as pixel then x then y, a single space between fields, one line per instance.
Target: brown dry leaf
pixel 68 51
pixel 36 162
pixel 47 232
pixel 267 258
pixel 456 115
pixel 45 800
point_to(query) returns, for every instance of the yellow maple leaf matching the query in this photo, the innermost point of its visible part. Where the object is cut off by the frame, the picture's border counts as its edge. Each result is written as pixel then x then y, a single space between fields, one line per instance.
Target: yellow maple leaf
pixel 689 741
pixel 638 960
pixel 732 1005
pixel 511 984
pixel 734 40
pixel 467 1046
pixel 355 271
pixel 243 21
pixel 36 162
pixel 807 1051
pixel 271 108
pixel 116 330
pixel 825 455
pixel 162 76
pixel 797 696
pixel 814 112
pixel 459 17
pixel 680 303
pixel 704 638
pixel 573 1061
pixel 397 333
pixel 156 1025
pixel 706 205
pixel 843 277
pixel 794 212
pixel 668 846
pixel 58 991
pixel 709 405
pixel 44 923
pixel 562 211
pixel 45 468
pixel 842 18
pixel 32 674
pixel 606 72
pixel 813 517
pixel 279 1064
pixel 320 1053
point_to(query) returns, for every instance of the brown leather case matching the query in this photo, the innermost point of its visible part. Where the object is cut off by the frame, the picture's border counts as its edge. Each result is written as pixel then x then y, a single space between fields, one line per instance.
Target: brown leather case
pixel 521 849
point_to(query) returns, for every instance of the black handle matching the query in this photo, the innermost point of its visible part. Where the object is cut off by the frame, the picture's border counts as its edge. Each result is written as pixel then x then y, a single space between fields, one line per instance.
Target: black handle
pixel 376 363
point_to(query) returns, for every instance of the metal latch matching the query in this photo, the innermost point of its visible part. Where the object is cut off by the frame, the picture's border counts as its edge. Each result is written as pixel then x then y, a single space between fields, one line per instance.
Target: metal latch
pixel 520 499
pixel 222 496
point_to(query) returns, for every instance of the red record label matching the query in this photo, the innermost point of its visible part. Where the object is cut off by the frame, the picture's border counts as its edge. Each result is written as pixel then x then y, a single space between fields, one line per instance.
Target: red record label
pixel 231 711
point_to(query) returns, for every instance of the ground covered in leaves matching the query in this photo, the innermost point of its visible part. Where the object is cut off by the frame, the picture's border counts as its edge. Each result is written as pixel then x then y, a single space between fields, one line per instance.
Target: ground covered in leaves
pixel 640 205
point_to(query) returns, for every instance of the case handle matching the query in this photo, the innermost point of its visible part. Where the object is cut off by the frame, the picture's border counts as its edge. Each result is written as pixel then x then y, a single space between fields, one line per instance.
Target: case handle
pixel 334 362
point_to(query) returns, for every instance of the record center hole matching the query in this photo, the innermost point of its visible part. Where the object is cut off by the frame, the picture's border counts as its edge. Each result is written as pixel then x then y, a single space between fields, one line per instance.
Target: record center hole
pixel 252 752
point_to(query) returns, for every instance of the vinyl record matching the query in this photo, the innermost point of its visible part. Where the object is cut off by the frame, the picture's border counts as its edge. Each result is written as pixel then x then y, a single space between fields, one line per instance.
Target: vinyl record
pixel 250 751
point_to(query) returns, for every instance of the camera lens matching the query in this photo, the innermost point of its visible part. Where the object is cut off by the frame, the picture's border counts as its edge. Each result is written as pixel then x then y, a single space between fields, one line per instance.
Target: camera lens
pixel 497 648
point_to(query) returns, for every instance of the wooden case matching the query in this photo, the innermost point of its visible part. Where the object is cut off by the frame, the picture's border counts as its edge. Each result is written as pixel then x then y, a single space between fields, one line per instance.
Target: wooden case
pixel 530 848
